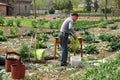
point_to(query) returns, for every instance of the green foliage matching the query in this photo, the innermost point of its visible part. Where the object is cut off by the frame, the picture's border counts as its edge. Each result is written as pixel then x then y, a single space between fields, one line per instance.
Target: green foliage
pixel 2 37
pixel 55 33
pixel 1 32
pixel 10 22
pixel 88 38
pixel 1 21
pixel 34 23
pixel 105 37
pixel 106 71
pixel 31 32
pixel 24 51
pixel 42 37
pixel 113 26
pixel 13 30
pixel 114 46
pixel 56 24
pixel 103 25
pixel 51 11
pixel 82 25
pixel 38 23
pixel 18 23
pixel 40 44
pixel 110 21
pixel 90 49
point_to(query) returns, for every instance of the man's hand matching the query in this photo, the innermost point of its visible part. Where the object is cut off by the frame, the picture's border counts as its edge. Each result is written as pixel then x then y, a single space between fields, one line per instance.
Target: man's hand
pixel 74 35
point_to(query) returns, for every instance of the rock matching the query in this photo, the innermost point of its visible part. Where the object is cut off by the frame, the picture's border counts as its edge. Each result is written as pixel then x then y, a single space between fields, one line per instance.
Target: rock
pixel 2 61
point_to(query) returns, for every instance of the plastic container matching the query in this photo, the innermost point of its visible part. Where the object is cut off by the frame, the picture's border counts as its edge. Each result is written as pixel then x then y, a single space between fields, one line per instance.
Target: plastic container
pixel 75 61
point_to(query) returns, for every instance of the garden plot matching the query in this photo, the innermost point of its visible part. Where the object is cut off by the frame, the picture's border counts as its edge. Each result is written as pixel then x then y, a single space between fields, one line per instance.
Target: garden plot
pixel 93 47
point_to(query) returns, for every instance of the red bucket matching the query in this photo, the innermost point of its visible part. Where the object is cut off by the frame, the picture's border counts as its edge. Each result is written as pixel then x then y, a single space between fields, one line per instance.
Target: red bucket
pixel 10 61
pixel 18 71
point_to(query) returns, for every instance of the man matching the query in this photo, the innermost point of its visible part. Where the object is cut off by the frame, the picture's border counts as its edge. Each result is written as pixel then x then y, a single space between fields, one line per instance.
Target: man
pixel 65 30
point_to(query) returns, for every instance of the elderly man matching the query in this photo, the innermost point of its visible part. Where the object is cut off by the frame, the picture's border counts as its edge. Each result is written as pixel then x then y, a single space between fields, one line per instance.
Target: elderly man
pixel 66 29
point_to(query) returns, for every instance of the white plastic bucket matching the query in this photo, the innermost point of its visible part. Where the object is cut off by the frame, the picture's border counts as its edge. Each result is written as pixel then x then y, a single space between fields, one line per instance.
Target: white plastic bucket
pixel 75 61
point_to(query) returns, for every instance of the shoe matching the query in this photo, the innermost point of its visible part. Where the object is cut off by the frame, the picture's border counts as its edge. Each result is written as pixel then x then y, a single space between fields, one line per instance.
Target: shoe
pixel 65 64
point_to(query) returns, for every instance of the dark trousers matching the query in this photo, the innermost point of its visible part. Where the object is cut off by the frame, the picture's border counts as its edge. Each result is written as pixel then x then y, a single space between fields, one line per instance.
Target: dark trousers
pixel 63 38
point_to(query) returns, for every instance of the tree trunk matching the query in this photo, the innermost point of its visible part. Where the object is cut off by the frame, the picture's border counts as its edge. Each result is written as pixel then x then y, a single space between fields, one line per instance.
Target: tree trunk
pixel 35 9
pixel 106 1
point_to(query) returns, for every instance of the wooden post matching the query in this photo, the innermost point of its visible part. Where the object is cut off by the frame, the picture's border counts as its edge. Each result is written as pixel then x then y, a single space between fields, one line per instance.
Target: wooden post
pixel 80 41
pixel 55 45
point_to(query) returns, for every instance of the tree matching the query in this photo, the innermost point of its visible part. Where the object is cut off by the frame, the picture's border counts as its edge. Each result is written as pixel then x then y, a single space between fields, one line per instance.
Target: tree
pixel 63 5
pixel 106 2
pixel 117 3
pixel 96 6
pixel 88 5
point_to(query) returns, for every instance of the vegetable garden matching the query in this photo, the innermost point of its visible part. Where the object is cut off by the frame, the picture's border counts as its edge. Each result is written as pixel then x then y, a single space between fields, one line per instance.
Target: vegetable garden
pixel 28 36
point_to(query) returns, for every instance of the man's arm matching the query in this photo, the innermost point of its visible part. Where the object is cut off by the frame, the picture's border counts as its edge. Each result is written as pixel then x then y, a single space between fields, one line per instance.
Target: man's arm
pixel 72 30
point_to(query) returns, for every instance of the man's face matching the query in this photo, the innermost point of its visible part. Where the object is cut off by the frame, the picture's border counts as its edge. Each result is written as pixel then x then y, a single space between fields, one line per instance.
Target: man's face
pixel 74 18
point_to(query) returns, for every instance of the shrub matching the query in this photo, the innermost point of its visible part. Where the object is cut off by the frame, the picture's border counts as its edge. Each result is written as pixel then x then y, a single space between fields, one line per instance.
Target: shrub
pixel 90 49
pixel 113 26
pixel 10 22
pixel 51 11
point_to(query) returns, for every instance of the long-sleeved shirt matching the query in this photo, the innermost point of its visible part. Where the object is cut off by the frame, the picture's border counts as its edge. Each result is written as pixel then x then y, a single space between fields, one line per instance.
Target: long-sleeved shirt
pixel 67 26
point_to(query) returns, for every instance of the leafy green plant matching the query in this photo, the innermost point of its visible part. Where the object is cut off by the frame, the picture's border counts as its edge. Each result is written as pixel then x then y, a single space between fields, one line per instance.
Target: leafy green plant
pixel 1 32
pixel 42 37
pixel 106 71
pixel 90 49
pixel 88 38
pixel 115 38
pixel 3 38
pixel 54 33
pixel 56 24
pixel 103 25
pixel 1 21
pixel 105 37
pixel 13 30
pixel 40 44
pixel 113 26
pixel 114 46
pixel 34 23
pixel 24 51
pixel 31 32
pixel 18 23
pixel 10 22
pixel 110 21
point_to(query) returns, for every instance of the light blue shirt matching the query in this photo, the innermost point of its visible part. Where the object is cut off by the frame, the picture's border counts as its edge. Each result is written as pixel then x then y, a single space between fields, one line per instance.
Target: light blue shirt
pixel 67 26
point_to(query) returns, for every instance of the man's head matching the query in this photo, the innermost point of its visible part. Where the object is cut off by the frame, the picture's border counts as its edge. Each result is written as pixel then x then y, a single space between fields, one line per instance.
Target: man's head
pixel 75 16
